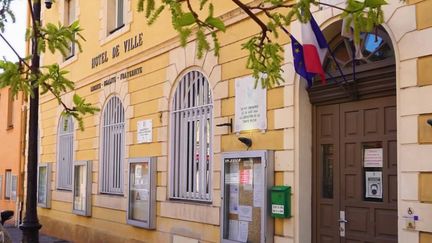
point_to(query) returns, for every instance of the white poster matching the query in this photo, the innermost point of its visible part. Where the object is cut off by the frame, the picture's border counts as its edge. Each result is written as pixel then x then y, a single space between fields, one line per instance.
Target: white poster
pixel 374 184
pixel 258 192
pixel 234 199
pixel 373 157
pixel 233 230
pixel 245 213
pixel 250 105
pixel 232 177
pixel 144 131
pixel 243 228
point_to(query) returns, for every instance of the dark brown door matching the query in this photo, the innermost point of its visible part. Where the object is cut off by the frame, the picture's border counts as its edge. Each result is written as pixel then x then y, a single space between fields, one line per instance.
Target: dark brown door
pixel 355 187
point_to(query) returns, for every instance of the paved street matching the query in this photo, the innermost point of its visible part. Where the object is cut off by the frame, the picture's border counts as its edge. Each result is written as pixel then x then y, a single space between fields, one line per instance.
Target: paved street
pixel 16 235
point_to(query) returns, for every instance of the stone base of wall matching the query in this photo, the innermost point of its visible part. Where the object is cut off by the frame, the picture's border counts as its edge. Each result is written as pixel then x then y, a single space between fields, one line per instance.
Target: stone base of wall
pixel 79 233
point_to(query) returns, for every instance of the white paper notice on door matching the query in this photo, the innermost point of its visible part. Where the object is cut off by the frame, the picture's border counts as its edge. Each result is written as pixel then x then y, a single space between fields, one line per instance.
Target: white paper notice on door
pixel 373 184
pixel 373 157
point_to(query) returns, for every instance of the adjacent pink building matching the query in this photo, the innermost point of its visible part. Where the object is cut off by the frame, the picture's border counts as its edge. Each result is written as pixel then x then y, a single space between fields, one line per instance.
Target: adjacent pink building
pixel 12 137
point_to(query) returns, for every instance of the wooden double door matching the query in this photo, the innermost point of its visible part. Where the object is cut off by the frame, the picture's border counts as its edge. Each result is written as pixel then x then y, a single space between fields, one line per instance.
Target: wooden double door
pixel 355 172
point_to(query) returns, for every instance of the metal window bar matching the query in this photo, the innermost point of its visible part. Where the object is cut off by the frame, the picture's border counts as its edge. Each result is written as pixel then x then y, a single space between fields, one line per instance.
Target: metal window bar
pixel 113 147
pixel 191 135
pixel 65 153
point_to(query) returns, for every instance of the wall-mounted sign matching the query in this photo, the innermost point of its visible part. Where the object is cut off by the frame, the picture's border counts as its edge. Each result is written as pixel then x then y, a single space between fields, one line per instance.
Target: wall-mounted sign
pixel 116 77
pixel 127 45
pixel 44 185
pixel 144 131
pixel 82 172
pixel 373 184
pixel 142 192
pixel 250 105
pixel 373 157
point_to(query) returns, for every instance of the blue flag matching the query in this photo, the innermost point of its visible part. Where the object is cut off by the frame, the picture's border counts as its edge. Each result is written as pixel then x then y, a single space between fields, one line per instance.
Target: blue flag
pixel 299 64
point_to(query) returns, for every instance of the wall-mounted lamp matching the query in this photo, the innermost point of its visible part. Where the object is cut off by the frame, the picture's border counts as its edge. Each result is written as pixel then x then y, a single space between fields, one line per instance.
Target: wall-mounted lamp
pixel 429 121
pixel 48 3
pixel 246 141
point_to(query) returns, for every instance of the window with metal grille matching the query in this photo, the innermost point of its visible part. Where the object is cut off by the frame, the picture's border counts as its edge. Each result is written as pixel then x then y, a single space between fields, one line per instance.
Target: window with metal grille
pixel 65 153
pixel 191 143
pixel 112 147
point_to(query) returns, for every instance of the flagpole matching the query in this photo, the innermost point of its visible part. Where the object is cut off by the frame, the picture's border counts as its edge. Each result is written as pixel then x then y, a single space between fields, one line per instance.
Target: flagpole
pixel 337 65
pixel 355 96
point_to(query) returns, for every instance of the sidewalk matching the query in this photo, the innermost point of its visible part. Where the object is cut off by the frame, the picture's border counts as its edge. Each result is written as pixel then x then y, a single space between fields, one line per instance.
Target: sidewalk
pixel 16 235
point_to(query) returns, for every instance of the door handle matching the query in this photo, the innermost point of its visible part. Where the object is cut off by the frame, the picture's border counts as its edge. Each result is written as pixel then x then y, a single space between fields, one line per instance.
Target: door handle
pixel 342 221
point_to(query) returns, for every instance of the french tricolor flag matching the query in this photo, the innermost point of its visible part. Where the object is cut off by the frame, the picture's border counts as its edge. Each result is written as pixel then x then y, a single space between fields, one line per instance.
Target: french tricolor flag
pixel 314 48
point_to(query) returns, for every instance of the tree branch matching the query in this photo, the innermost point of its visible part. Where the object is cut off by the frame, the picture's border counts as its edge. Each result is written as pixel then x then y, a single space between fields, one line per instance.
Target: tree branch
pixel 195 14
pixel 49 87
pixel 16 53
pixel 255 18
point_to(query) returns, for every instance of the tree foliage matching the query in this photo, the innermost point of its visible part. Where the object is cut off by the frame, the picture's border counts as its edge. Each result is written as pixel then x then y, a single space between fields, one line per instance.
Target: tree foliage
pixel 272 16
pixel 5 13
pixel 50 78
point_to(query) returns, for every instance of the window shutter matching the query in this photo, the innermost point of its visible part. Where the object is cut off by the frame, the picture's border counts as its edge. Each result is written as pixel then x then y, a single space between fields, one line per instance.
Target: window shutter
pixel 65 153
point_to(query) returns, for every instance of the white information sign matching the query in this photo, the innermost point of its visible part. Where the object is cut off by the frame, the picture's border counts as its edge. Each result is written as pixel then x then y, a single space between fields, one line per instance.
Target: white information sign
pixel 278 209
pixel 373 157
pixel 250 105
pixel 144 131
pixel 374 184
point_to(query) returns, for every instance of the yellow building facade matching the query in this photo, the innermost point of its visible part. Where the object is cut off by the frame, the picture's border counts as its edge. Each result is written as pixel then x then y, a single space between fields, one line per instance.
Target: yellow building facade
pixel 137 71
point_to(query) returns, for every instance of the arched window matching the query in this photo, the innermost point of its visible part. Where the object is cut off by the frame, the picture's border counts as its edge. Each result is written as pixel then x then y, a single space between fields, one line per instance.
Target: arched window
pixel 372 75
pixel 65 151
pixel 191 143
pixel 112 147
pixel 374 47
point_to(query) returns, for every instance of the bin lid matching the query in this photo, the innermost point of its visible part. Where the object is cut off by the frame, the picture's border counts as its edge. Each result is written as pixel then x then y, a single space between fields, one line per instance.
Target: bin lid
pixel 280 188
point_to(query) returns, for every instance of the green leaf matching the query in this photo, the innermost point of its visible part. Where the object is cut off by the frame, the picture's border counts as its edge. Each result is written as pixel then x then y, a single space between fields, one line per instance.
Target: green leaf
pixel 186 19
pixel 374 3
pixel 216 22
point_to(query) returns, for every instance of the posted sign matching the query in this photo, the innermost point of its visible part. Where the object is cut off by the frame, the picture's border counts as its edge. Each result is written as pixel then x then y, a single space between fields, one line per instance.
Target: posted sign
pixel 250 105
pixel 144 131
pixel 373 157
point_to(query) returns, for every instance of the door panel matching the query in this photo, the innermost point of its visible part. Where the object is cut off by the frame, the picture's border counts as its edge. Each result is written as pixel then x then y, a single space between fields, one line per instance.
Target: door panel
pixel 327 189
pixel 348 129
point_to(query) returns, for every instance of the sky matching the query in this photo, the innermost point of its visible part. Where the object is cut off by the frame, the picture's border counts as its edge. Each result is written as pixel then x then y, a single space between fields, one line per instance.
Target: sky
pixel 15 32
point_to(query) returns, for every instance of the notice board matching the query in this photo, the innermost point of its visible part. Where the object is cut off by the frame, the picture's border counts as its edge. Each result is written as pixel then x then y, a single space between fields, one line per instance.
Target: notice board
pixel 245 216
